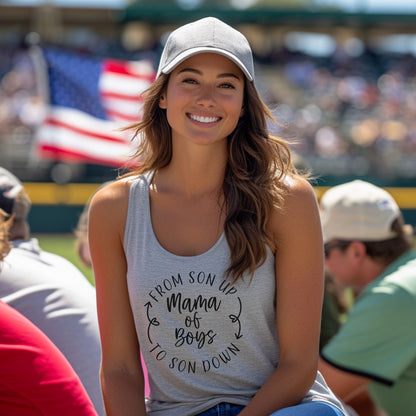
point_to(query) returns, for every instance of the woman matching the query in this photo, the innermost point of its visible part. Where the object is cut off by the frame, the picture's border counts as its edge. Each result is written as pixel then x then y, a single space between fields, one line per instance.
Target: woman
pixel 197 256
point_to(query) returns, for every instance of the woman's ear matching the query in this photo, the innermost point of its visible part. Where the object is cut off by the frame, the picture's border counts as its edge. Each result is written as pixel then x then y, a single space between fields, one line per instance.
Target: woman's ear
pixel 162 101
pixel 242 111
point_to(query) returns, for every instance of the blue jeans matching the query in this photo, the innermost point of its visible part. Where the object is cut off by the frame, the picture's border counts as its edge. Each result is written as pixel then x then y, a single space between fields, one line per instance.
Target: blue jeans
pixel 303 409
pixel 223 409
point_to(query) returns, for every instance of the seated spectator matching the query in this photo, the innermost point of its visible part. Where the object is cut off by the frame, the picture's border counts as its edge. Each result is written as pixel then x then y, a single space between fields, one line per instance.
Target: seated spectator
pixel 50 292
pixel 334 306
pixel 81 242
pixel 369 249
pixel 334 303
pixel 36 379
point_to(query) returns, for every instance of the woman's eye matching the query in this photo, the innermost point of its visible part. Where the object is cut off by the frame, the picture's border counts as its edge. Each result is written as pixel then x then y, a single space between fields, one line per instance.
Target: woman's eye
pixel 190 81
pixel 227 85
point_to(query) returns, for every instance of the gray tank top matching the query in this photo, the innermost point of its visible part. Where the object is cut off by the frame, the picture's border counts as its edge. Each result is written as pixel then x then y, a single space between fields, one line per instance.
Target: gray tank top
pixel 203 340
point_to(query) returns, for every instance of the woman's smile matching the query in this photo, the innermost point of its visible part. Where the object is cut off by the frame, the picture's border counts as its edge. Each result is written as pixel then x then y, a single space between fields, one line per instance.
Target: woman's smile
pixel 203 119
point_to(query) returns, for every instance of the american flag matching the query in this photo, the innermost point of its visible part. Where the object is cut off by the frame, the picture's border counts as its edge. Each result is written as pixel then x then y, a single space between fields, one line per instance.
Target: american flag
pixel 89 101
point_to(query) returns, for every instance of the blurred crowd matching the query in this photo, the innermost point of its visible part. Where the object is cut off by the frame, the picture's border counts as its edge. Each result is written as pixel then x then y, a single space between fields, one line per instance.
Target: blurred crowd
pixel 344 115
pixel 351 115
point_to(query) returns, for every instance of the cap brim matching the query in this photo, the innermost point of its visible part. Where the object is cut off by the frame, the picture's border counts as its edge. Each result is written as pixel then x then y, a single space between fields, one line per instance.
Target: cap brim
pixel 203 49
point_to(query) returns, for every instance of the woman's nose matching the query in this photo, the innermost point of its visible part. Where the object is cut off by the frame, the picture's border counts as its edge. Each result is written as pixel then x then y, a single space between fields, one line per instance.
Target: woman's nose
pixel 206 96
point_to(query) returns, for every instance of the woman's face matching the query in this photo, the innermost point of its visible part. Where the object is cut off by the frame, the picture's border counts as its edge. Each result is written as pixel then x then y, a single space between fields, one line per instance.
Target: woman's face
pixel 204 99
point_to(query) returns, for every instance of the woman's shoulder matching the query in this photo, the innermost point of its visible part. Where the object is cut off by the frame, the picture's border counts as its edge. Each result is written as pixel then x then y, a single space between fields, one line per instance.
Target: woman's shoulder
pixel 298 190
pixel 113 192
pixel 298 208
pixel 110 202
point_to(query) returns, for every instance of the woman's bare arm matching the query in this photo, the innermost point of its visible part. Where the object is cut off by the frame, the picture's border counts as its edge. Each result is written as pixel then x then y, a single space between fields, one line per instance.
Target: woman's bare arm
pixel 299 292
pixel 121 373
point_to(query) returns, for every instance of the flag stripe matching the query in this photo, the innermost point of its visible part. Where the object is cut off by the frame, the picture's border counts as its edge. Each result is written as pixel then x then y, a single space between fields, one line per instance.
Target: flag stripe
pixel 123 85
pixel 107 95
pixel 101 129
pixel 75 130
pixel 122 118
pixel 65 139
pixel 138 69
pixel 57 152
pixel 86 144
pixel 123 111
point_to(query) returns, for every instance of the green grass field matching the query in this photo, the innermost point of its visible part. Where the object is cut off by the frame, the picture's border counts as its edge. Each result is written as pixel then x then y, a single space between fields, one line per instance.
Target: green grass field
pixel 64 245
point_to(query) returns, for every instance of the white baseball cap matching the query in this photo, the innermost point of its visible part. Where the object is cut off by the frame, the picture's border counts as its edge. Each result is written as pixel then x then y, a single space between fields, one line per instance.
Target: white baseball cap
pixel 206 35
pixel 358 210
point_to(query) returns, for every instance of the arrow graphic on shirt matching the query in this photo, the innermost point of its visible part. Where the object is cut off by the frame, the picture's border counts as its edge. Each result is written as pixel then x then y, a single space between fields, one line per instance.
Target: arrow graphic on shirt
pixel 152 321
pixel 236 318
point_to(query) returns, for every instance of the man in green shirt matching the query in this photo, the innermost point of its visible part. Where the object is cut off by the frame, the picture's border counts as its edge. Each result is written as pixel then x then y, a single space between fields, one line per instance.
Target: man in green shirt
pixel 369 249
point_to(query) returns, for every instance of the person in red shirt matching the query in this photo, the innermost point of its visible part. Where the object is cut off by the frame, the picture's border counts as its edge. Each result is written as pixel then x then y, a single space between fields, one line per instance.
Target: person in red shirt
pixel 36 379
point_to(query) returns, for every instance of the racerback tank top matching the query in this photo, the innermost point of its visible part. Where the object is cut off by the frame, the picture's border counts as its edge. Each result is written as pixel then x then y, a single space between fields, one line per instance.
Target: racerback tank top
pixel 203 340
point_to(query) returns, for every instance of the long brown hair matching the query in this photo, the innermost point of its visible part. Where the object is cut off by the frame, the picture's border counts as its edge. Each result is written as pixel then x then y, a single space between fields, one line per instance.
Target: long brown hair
pixel 253 183
pixel 5 223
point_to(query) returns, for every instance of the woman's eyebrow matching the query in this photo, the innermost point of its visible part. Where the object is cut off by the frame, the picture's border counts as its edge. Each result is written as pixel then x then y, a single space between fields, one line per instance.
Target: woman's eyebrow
pixel 224 75
pixel 229 74
pixel 196 71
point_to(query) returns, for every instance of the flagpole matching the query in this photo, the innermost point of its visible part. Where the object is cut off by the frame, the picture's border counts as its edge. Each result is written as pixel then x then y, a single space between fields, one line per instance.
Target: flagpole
pixel 33 41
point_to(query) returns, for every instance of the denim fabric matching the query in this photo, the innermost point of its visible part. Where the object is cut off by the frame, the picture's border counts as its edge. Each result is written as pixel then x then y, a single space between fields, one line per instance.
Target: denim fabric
pixel 304 409
pixel 223 409
pixel 310 409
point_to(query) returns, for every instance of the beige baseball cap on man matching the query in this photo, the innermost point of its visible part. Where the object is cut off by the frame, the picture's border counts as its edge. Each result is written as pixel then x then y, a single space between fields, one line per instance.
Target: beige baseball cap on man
pixel 358 210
